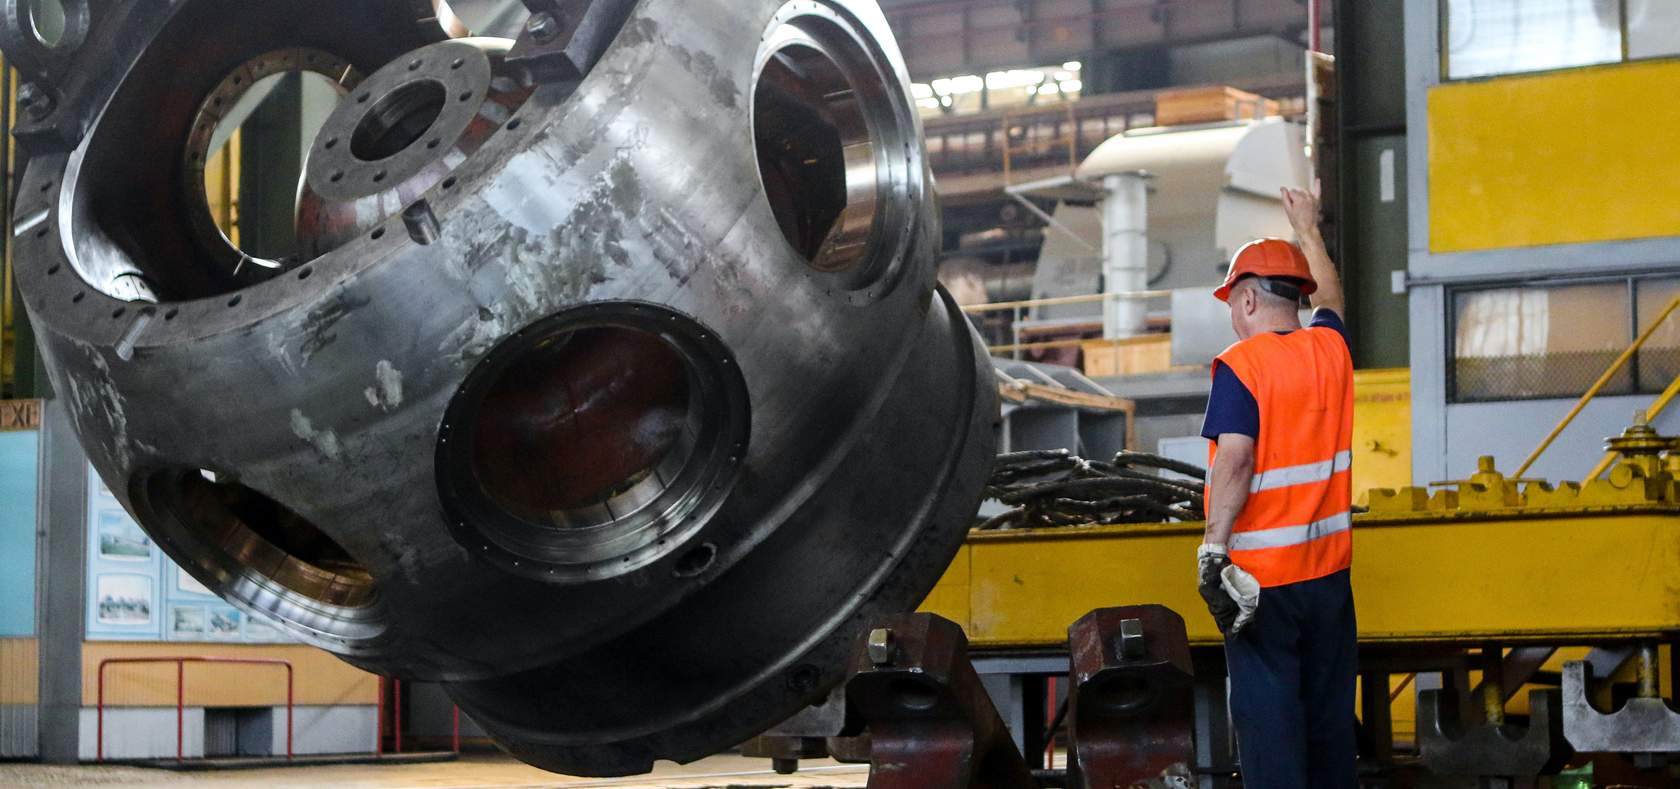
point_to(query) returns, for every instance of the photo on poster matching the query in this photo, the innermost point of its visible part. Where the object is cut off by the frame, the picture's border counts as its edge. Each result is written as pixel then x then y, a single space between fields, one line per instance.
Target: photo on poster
pixel 124 599
pixel 186 584
pixel 187 622
pixel 225 622
pixel 120 538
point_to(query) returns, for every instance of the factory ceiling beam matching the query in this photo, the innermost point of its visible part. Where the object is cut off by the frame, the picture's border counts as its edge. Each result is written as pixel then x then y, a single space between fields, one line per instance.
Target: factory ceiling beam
pixel 949 37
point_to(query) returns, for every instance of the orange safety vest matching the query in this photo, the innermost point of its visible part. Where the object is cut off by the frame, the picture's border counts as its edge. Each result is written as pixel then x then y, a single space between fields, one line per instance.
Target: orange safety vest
pixel 1297 523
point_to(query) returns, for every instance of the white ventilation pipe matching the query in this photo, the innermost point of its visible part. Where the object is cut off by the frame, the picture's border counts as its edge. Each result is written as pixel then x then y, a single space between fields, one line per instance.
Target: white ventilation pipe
pixel 1125 212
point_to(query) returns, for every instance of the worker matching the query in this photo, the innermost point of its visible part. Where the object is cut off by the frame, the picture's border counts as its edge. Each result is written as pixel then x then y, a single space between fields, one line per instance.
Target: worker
pixel 1274 562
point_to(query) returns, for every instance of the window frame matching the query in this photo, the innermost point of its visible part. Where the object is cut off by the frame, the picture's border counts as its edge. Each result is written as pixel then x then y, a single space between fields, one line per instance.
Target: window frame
pixel 1635 325
pixel 1442 37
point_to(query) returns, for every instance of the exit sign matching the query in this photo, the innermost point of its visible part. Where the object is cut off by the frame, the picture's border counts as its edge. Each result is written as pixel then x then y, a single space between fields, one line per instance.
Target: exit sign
pixel 20 414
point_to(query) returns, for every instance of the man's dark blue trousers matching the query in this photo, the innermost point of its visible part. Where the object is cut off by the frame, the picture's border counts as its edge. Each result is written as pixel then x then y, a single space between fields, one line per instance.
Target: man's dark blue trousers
pixel 1292 687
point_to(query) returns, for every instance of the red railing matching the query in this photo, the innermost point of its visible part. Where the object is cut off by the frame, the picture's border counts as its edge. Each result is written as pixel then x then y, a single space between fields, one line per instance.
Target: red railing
pixel 396 724
pixel 181 694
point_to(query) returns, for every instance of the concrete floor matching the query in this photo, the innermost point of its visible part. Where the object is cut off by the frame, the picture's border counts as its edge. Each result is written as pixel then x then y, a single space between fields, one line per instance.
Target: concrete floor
pixel 472 771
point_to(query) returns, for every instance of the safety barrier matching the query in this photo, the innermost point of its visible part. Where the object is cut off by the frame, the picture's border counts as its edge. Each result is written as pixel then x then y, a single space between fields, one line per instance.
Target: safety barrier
pixel 181 694
pixel 1018 311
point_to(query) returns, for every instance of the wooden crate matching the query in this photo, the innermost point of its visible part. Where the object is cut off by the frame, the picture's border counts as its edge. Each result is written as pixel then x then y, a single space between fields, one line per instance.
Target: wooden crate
pixel 1210 105
pixel 1150 353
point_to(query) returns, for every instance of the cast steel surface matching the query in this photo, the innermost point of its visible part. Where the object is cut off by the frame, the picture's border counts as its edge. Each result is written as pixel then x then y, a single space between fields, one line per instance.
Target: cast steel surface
pixel 608 383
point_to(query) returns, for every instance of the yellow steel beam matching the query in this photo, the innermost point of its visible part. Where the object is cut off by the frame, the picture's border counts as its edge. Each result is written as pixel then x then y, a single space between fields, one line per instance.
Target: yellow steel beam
pixel 1525 575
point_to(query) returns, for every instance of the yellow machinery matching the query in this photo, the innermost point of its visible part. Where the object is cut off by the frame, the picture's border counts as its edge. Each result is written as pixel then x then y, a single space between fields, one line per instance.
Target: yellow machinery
pixel 1483 559
pixel 1512 568
pixel 1491 577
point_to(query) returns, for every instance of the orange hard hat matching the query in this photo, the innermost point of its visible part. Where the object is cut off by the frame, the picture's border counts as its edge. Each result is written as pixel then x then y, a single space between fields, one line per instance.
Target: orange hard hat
pixel 1268 257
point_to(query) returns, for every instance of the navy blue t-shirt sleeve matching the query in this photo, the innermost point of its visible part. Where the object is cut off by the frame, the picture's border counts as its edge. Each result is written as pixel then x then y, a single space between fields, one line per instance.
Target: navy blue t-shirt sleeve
pixel 1326 318
pixel 1231 407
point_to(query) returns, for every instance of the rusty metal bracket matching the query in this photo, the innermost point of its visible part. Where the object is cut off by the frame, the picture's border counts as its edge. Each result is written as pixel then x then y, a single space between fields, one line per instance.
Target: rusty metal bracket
pixel 563 38
pixel 930 722
pixel 1130 701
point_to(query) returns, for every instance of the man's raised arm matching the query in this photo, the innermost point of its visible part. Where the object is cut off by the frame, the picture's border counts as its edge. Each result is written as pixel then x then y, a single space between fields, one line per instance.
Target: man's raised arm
pixel 1302 209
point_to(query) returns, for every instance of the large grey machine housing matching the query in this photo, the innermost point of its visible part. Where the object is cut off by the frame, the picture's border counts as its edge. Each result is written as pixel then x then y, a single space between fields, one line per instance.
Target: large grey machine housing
pixel 608 382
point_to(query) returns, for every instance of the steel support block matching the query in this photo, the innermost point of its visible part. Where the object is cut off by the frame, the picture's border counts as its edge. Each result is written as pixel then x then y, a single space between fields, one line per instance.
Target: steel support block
pixel 1131 711
pixel 1493 751
pixel 1642 725
pixel 930 722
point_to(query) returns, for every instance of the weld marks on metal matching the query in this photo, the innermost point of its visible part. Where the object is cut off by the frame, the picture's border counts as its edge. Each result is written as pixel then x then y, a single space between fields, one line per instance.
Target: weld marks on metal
pixel 386 393
pixel 324 441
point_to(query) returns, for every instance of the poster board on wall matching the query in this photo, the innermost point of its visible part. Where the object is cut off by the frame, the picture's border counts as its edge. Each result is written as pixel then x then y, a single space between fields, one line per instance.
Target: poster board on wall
pixel 135 593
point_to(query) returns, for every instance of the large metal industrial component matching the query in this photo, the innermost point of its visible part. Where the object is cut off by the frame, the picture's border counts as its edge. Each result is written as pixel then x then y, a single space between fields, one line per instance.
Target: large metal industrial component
pixel 608 381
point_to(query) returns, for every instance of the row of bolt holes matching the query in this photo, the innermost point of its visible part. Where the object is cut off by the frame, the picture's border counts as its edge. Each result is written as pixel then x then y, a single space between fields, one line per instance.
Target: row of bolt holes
pixel 413 65
pixel 303 274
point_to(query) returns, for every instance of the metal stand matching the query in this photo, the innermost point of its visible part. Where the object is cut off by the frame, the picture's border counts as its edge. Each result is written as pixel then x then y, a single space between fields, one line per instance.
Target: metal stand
pixel 1499 754
pixel 915 709
pixel 1131 706
pixel 930 722
pixel 1645 726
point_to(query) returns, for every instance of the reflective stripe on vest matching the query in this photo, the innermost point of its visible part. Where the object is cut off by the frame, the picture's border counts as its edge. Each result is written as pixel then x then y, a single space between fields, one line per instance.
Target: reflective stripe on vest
pixel 1301 475
pixel 1284 536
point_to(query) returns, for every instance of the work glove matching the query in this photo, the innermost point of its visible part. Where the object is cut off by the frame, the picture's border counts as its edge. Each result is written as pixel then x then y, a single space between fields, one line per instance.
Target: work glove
pixel 1231 593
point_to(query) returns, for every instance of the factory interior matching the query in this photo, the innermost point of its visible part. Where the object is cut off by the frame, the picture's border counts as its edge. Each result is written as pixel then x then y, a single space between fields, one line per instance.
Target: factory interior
pixel 839 393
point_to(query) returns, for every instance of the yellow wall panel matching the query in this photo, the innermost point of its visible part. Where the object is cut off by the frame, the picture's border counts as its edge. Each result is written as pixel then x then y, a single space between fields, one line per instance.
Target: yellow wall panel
pixel 1566 157
pixel 19 671
pixel 320 677
pixel 1382 429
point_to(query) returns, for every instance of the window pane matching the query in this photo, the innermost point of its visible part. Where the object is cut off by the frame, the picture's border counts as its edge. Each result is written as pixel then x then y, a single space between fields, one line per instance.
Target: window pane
pixel 1487 37
pixel 1659 360
pixel 1653 28
pixel 1539 342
